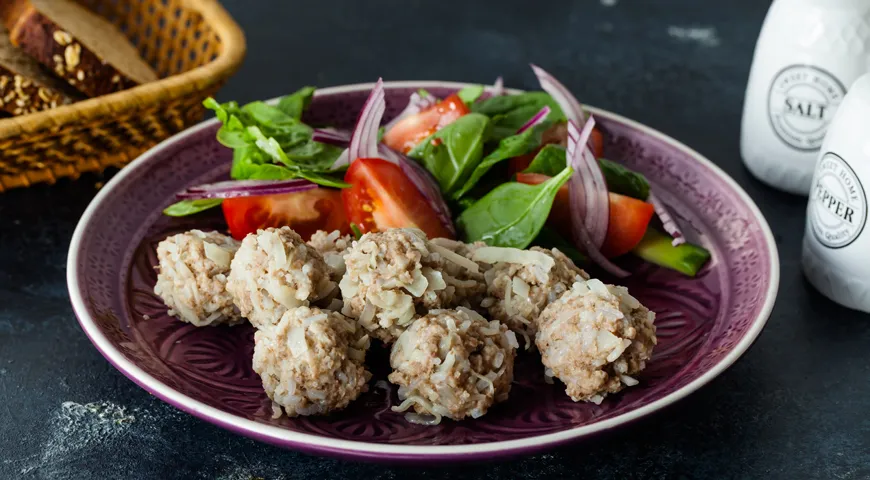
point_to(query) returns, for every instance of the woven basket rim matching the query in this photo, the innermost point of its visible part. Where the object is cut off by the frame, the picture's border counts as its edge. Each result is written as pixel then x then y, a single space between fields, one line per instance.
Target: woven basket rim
pixel 169 88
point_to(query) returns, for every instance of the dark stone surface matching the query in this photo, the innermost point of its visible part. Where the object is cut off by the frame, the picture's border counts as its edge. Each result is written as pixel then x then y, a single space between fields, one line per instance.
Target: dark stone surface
pixel 794 407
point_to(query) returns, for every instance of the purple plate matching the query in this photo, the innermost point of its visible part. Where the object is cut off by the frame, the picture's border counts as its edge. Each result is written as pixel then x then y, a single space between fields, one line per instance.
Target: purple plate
pixel 704 324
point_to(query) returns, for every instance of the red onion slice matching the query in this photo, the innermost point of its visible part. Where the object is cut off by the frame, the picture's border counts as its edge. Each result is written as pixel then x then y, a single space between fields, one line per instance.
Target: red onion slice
pixel 498 87
pixel 331 136
pixel 343 160
pixel 595 206
pixel 570 106
pixel 590 207
pixel 668 222
pixel 416 104
pixel 246 188
pixel 364 141
pixel 535 120
pixel 428 187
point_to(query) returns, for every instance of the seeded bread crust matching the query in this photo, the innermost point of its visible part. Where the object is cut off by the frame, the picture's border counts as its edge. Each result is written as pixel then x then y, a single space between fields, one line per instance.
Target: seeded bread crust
pixel 25 86
pixel 57 49
pixel 20 95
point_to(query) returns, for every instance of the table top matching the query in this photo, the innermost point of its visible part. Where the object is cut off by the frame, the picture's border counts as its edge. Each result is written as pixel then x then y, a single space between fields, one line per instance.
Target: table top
pixel 794 407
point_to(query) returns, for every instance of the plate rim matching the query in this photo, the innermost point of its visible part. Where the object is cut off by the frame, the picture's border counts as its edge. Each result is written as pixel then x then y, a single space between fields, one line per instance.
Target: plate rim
pixel 378 451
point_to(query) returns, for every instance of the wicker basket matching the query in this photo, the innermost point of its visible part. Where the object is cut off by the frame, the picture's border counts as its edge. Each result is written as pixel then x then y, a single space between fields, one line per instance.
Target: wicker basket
pixel 193 45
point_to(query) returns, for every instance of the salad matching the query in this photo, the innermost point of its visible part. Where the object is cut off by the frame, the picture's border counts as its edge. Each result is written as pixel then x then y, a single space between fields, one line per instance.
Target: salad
pixel 510 170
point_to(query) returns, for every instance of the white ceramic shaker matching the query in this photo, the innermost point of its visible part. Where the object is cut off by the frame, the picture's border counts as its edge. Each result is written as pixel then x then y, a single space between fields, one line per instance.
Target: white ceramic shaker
pixel 808 54
pixel 836 248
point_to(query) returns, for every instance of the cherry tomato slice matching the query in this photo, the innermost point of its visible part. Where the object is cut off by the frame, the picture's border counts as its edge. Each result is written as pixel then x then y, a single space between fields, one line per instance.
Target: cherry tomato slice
pixel 627 224
pixel 383 197
pixel 305 212
pixel 412 130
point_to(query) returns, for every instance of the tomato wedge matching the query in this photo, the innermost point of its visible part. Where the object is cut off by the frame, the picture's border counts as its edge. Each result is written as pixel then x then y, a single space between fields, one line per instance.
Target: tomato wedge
pixel 305 212
pixel 627 224
pixel 556 134
pixel 382 197
pixel 629 219
pixel 412 130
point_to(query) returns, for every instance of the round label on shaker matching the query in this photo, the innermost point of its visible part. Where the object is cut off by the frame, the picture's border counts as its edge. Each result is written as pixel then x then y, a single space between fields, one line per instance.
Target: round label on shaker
pixel 838 204
pixel 801 104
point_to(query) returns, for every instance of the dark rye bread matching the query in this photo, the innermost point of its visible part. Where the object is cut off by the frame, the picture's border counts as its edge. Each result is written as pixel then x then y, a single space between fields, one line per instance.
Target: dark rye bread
pixel 76 44
pixel 25 87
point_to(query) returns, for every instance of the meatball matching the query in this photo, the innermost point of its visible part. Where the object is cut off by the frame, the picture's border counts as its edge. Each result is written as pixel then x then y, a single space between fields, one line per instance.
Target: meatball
pixel 594 338
pixel 333 247
pixel 522 282
pixel 391 276
pixel 464 275
pixel 273 271
pixel 192 277
pixel 454 364
pixel 311 362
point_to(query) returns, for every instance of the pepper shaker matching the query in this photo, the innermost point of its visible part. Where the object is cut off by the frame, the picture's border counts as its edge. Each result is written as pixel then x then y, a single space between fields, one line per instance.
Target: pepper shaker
pixel 836 242
pixel 808 54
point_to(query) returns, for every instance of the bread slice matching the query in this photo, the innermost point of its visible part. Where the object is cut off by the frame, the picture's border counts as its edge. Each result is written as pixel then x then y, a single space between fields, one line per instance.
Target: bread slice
pixel 78 45
pixel 25 87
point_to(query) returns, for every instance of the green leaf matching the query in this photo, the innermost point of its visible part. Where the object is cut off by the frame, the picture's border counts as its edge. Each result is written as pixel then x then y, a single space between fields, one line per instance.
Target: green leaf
pixel 513 214
pixel 265 114
pixel 314 156
pixel 271 143
pixel 245 161
pixel 466 201
pixel 470 94
pixel 423 93
pixel 549 238
pixel 190 207
pixel 452 153
pixel 269 146
pixel 323 179
pixel 510 147
pixel 510 112
pixel 297 102
pixel 354 228
pixel 551 160
pixel 232 139
pixel 623 181
pixel 269 171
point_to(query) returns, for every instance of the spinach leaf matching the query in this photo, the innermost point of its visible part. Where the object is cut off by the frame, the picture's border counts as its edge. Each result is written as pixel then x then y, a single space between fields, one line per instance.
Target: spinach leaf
pixel 453 152
pixel 510 112
pixel 549 238
pixel 470 94
pixel 513 214
pixel 508 148
pixel 190 207
pixel 551 160
pixel 264 114
pixel 246 160
pixel 270 171
pixel 271 143
pixel 295 104
pixel 314 156
pixel 623 181
pixel 323 179
pixel 466 202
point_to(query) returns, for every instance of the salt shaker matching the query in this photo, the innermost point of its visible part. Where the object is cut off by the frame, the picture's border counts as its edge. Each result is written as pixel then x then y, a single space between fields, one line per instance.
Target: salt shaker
pixel 836 243
pixel 808 54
